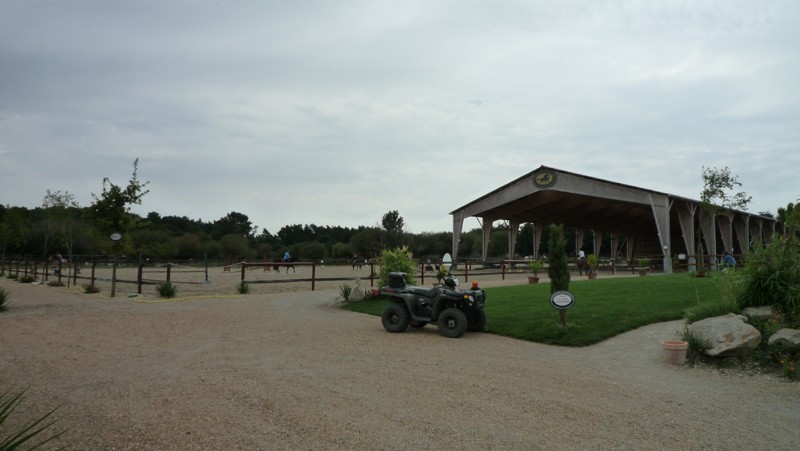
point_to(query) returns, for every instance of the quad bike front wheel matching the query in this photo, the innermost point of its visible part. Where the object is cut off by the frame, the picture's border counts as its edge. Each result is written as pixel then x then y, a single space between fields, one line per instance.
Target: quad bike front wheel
pixel 395 318
pixel 452 322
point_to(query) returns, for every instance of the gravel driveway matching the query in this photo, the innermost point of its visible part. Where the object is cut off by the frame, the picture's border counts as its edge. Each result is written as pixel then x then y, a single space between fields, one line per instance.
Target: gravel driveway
pixel 293 371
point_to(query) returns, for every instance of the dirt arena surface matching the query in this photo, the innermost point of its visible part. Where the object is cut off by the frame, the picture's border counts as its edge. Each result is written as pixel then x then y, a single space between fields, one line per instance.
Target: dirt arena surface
pixel 288 369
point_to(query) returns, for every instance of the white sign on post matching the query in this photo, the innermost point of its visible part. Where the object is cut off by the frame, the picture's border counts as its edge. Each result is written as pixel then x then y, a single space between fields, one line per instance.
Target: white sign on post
pixel 562 300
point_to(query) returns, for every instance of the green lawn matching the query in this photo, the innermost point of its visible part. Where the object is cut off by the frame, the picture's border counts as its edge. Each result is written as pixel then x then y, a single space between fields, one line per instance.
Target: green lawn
pixel 603 308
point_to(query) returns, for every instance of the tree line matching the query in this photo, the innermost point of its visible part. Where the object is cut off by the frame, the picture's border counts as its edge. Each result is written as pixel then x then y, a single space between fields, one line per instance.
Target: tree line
pixel 61 227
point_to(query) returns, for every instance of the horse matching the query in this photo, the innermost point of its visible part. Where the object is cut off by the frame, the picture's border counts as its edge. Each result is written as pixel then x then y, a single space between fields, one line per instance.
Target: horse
pixel 582 265
pixel 276 268
pixel 357 262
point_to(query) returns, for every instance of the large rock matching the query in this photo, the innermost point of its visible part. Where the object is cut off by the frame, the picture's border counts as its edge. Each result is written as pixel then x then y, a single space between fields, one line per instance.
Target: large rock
pixel 788 339
pixel 727 335
pixel 762 312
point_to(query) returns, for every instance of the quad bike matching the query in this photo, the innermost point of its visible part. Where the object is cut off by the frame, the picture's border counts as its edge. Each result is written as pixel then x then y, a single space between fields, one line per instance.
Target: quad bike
pixel 454 311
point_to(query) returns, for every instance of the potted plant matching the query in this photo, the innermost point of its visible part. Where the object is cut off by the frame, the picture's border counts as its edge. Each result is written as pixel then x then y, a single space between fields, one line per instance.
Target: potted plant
pixel 644 266
pixel 592 261
pixel 534 266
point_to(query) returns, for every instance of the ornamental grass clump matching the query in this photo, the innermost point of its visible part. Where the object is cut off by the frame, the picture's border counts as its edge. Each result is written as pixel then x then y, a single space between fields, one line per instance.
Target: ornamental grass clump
pixel 166 289
pixel 17 438
pixel 242 287
pixel 90 289
pixel 345 290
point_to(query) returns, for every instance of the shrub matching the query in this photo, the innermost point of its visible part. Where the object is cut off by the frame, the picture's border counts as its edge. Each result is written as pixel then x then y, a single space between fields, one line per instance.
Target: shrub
pixel 166 289
pixel 90 289
pixel 55 283
pixel 397 260
pixel 557 268
pixel 3 299
pixel 26 279
pixel 592 261
pixel 12 276
pixel 772 276
pixel 242 287
pixel 535 266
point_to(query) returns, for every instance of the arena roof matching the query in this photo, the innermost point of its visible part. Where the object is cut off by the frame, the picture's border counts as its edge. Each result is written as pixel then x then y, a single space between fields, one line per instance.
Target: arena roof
pixel 553 196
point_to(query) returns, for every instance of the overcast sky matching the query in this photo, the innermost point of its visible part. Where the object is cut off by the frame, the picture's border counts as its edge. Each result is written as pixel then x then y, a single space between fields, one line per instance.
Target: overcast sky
pixel 336 112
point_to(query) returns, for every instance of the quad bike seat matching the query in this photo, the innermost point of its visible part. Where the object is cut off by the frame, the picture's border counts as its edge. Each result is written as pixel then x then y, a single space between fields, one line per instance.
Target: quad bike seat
pixel 422 291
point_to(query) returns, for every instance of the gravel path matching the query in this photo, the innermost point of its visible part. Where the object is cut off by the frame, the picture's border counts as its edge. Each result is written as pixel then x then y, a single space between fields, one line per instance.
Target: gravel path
pixel 293 371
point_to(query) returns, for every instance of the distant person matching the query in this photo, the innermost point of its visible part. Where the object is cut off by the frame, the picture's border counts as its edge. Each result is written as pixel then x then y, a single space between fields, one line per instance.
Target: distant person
pixel 581 255
pixel 286 256
pixel 728 261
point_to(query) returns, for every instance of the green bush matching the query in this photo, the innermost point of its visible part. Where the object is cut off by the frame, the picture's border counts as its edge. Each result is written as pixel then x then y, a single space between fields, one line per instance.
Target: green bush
pixel 397 260
pixel 772 276
pixel 166 289
pixel 26 279
pixel 12 276
pixel 557 268
pixel 55 283
pixel 242 287
pixel 3 298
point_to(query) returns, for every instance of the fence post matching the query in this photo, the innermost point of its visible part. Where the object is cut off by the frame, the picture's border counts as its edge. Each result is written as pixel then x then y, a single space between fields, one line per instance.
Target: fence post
pixel 139 278
pixel 60 266
pixel 422 273
pixel 169 271
pixel 371 274
pixel 75 275
pixel 243 263
pixel 313 275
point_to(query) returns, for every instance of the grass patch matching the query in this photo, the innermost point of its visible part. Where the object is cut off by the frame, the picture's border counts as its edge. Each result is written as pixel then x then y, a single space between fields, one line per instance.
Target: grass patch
pixel 603 308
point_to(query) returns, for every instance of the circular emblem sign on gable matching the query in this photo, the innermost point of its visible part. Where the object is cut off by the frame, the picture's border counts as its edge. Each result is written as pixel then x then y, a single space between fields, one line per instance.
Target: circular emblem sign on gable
pixel 562 300
pixel 544 179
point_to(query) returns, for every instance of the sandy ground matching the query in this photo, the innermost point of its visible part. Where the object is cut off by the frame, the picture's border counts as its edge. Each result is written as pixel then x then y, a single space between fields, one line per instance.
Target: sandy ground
pixel 287 369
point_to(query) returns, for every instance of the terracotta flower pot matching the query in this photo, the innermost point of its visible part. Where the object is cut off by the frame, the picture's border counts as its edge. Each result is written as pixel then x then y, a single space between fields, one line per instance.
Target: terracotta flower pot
pixel 674 351
pixel 533 279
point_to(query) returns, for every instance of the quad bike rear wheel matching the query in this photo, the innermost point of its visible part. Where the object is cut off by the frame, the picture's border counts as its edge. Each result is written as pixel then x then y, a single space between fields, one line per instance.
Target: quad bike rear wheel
pixel 395 318
pixel 452 322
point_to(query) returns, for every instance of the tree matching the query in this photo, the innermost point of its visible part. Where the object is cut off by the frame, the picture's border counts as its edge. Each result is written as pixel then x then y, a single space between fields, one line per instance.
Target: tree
pixel 112 206
pixel 366 242
pixel 57 222
pixel 393 224
pixel 233 246
pixel 232 223
pixel 718 185
pixel 557 268
pixel 718 197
